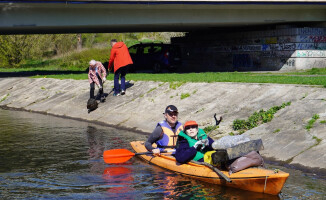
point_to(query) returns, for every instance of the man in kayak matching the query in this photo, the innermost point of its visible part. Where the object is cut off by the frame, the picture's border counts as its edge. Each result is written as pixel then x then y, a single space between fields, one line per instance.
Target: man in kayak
pixel 166 132
pixel 192 143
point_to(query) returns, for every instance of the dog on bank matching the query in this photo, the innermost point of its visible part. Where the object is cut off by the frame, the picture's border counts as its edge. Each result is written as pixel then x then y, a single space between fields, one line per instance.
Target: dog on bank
pixel 92 105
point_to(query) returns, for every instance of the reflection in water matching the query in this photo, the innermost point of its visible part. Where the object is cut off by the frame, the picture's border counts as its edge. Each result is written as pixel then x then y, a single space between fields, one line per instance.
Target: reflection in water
pixel 119 181
pixel 45 157
pixel 95 150
pixel 95 140
pixel 179 187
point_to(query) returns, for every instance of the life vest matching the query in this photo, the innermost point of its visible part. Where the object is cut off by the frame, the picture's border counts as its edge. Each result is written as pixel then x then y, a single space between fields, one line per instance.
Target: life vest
pixel 169 138
pixel 191 141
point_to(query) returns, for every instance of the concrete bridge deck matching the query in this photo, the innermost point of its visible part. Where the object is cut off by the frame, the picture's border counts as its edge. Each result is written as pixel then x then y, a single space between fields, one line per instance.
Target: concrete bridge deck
pixel 73 16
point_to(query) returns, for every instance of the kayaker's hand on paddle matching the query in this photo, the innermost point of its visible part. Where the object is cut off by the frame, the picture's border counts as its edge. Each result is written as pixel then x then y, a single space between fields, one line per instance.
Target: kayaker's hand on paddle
pixel 156 151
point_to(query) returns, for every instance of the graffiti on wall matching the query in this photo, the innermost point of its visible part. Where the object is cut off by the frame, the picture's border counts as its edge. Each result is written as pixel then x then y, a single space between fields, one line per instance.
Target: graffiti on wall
pixel 312 46
pixel 259 49
pixel 312 54
pixel 311 38
pixel 311 31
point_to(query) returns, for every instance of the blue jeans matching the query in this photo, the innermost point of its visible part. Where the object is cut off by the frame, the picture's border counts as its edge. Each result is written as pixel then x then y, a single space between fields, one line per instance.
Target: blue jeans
pixel 121 72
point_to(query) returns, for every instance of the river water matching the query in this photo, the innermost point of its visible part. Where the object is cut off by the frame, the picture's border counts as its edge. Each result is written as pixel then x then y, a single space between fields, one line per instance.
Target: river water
pixel 47 157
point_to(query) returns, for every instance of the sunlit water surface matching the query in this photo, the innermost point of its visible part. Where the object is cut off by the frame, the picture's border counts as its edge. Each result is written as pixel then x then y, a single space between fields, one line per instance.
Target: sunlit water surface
pixel 46 157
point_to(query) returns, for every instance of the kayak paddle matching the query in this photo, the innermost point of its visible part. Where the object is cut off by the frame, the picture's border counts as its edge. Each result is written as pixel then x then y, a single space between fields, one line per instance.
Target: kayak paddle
pixel 120 155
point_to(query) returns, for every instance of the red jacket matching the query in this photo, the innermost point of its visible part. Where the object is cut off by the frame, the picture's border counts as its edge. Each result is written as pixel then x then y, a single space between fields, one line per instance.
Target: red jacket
pixel 120 56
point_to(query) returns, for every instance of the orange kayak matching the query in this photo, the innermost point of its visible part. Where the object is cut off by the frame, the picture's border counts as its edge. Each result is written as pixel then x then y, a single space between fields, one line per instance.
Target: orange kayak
pixel 252 179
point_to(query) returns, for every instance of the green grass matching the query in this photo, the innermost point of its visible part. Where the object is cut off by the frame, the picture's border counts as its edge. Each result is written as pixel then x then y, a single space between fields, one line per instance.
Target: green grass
pixel 208 129
pixel 74 61
pixel 210 77
pixel 257 118
pixel 174 85
pixel 312 121
pixel 4 98
pixel 64 76
pixel 45 68
pixel 152 89
pixel 78 61
pixel 318 140
pixel 313 71
pixel 276 131
pixel 184 95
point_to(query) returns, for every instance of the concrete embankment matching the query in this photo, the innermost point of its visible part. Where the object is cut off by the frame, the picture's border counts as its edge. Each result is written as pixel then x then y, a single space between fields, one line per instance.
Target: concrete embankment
pixel 285 138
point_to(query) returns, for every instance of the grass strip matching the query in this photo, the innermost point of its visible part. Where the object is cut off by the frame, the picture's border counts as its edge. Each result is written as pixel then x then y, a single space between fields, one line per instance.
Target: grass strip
pixel 210 77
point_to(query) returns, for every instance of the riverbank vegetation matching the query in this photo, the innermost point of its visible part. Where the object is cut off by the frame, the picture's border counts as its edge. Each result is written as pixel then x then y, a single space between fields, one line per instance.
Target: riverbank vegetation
pixel 257 118
pixel 66 51
pixel 70 54
pixel 210 77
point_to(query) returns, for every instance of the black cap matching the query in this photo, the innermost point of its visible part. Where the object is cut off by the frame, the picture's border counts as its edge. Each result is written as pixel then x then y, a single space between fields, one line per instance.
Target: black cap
pixel 170 109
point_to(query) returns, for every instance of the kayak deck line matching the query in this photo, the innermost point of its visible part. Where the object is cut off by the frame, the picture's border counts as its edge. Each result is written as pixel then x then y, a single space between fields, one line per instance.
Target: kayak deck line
pixel 235 178
pixel 255 179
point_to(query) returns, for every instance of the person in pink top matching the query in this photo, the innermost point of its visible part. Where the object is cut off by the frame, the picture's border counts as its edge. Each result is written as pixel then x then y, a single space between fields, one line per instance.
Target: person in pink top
pixel 96 75
pixel 120 58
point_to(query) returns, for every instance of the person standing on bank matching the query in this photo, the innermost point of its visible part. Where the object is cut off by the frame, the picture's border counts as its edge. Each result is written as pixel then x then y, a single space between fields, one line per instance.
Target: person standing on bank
pixel 192 143
pixel 96 75
pixel 166 132
pixel 120 58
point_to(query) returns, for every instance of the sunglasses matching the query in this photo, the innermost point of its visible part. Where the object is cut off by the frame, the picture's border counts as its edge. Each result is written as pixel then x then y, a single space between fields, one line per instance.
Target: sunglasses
pixel 173 114
pixel 189 127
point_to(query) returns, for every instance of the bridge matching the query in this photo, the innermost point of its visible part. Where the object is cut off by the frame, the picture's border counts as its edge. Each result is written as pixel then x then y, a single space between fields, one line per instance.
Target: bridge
pixel 87 16
pixel 223 35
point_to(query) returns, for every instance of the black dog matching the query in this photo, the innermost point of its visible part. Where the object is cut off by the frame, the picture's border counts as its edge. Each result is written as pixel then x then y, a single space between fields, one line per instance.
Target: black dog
pixel 91 105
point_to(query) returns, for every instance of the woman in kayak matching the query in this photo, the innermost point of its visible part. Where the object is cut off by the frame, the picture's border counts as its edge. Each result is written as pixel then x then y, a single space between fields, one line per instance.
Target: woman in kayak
pixel 192 143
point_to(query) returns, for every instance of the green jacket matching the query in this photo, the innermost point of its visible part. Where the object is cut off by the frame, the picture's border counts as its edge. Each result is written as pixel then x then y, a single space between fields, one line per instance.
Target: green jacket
pixel 191 141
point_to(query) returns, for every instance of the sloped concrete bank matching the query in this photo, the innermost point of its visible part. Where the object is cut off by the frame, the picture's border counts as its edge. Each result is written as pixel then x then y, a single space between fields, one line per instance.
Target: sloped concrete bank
pixel 285 138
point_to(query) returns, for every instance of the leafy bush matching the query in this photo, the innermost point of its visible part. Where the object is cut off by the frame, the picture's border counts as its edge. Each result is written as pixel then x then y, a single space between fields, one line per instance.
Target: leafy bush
pixel 81 59
pixel 257 118
pixel 17 49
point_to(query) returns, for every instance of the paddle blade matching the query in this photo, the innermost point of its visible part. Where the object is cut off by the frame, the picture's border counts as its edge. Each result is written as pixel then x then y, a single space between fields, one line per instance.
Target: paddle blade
pixel 117 156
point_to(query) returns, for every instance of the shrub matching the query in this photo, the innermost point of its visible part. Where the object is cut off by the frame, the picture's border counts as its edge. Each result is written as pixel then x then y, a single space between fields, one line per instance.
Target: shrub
pixel 258 118
pixel 81 59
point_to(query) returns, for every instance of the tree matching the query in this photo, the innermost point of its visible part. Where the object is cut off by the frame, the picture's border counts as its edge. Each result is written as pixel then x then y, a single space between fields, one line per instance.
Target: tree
pixel 13 49
pixel 79 42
